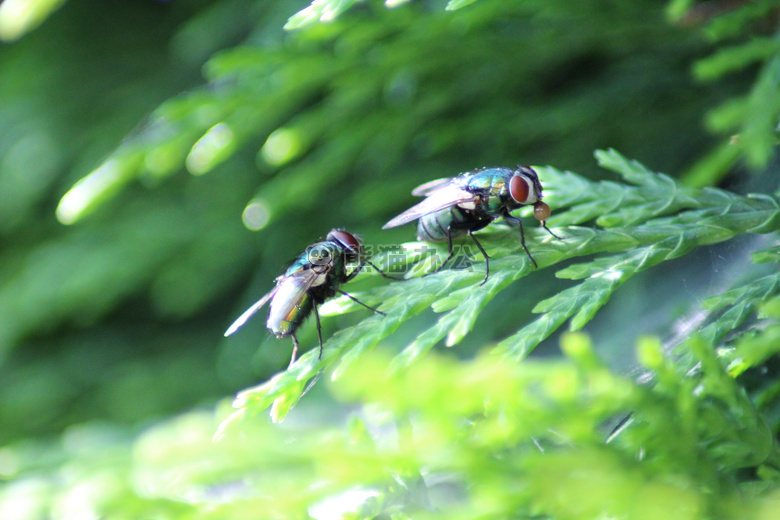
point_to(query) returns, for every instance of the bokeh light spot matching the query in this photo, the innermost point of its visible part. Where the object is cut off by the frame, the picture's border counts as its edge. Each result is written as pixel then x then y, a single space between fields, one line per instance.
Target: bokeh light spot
pixel 18 17
pixel 211 149
pixel 256 215
pixel 283 145
pixel 87 190
pixel 9 463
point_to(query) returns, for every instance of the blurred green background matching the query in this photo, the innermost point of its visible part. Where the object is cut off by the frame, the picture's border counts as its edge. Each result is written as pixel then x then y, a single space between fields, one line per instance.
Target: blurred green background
pixel 214 145
pixel 119 316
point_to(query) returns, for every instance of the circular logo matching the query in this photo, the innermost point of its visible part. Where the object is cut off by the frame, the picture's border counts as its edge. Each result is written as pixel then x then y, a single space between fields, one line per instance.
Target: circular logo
pixel 319 255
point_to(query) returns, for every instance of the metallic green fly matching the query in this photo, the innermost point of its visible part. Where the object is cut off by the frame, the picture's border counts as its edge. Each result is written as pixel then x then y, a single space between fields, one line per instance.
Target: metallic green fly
pixel 458 206
pixel 313 277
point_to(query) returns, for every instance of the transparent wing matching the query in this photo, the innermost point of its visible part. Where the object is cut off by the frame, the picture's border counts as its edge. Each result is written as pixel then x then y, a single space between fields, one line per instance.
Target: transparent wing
pixel 288 289
pixel 443 197
pixel 250 312
pixel 291 291
pixel 428 187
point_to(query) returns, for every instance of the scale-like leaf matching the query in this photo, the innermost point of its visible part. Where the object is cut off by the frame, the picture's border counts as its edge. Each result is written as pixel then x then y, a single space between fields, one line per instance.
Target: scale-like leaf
pixel 318 11
pixel 452 5
pixel 672 221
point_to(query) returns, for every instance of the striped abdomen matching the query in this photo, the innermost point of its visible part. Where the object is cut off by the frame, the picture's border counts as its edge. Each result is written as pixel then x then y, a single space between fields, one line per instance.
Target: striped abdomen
pixel 433 227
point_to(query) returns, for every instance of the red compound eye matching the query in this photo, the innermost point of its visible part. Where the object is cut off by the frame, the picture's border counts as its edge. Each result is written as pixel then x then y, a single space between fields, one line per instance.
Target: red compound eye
pixel 347 239
pixel 518 188
pixel 541 211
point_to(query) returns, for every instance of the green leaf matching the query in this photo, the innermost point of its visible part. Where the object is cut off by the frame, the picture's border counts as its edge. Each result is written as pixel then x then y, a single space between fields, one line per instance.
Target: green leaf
pixel 632 171
pixel 454 5
pixel 675 9
pixel 112 326
pixel 654 220
pixel 318 11
pixel 18 17
pixel 769 255
pixel 732 22
pixel 732 59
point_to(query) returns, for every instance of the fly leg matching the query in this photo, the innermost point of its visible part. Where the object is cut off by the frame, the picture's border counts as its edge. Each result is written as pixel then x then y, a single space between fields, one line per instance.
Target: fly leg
pixel 319 329
pixel 426 234
pixel 295 350
pixel 514 220
pixel 319 333
pixel 384 273
pixel 449 248
pixel 487 258
pixel 361 303
pixel 544 225
pixel 470 227
pixel 356 270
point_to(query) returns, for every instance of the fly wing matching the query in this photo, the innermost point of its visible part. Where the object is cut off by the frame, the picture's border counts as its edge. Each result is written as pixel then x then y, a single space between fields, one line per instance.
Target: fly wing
pixel 439 198
pixel 290 293
pixel 289 290
pixel 428 187
pixel 250 312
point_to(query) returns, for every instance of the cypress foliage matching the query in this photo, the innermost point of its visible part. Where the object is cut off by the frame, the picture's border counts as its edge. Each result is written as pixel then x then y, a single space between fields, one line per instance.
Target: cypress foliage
pixel 161 162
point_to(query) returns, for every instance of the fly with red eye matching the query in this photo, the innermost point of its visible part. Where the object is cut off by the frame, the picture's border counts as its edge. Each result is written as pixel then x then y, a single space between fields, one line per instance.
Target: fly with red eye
pixel 313 277
pixel 469 202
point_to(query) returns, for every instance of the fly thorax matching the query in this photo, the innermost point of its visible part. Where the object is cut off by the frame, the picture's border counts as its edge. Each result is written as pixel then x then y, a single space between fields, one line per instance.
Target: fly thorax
pixel 320 259
pixel 322 273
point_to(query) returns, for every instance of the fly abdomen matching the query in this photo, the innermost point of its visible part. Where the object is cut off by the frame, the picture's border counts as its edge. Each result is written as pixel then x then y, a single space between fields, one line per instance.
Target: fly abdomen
pixel 435 226
pixel 289 307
